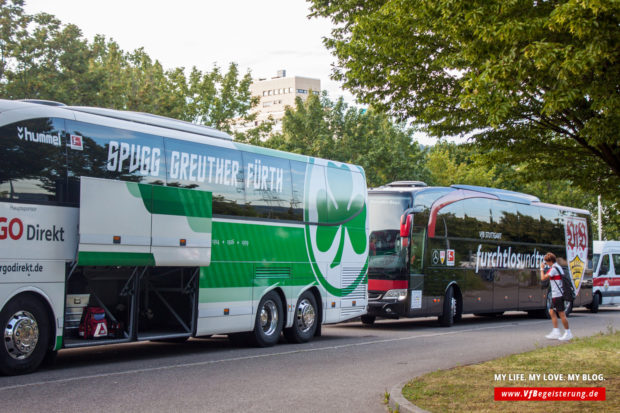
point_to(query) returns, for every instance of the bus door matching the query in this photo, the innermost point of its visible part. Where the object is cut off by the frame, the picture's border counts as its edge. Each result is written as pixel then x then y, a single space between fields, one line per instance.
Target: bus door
pixel 608 280
pixel 416 266
pixel 505 289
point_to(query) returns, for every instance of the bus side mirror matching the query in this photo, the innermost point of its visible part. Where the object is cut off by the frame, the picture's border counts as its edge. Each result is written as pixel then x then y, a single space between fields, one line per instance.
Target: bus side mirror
pixel 405 225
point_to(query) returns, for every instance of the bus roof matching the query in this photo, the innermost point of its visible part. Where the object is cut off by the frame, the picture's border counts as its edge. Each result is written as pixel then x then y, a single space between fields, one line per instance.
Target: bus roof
pixel 152 120
pixel 501 194
pixel 55 109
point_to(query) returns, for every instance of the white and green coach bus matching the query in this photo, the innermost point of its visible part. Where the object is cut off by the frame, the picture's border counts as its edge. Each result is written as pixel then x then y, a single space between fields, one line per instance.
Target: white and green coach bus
pixel 173 229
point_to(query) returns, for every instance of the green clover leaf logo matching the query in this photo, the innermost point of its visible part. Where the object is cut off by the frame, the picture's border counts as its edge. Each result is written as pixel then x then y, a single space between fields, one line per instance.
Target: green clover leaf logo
pixel 344 209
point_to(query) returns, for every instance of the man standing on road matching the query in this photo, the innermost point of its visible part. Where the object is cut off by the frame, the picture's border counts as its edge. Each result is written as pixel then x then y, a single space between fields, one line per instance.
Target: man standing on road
pixel 554 274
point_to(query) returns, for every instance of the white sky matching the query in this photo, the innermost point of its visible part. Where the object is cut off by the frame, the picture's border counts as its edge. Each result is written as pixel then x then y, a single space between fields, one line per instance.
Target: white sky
pixel 263 36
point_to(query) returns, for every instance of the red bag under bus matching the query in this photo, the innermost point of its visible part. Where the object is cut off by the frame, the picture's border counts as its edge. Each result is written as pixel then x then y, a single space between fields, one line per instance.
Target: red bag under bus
pixel 93 323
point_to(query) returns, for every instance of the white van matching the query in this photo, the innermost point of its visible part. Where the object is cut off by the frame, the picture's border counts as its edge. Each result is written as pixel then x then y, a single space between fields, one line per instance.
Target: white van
pixel 606 274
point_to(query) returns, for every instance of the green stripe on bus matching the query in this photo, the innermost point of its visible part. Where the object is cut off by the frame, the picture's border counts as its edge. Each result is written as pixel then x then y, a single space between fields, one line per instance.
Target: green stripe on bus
pixel 115 258
pixel 170 200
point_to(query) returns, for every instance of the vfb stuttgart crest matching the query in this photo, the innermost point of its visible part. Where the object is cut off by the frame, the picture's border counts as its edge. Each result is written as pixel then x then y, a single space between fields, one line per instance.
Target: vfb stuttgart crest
pixel 576 233
pixel 335 199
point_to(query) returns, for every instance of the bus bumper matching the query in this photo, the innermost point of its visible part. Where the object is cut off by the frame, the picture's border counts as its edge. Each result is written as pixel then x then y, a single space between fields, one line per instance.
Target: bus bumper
pixel 386 309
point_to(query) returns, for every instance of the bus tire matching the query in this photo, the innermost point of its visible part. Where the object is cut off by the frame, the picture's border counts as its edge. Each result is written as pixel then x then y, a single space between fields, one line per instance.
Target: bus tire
pixel 596 301
pixel 269 320
pixel 173 340
pixel 368 320
pixel 305 320
pixel 26 335
pixel 446 319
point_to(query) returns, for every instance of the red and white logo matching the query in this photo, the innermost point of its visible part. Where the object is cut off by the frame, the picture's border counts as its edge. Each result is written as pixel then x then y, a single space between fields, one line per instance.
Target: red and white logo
pixel 576 232
pixel 451 258
pixel 77 142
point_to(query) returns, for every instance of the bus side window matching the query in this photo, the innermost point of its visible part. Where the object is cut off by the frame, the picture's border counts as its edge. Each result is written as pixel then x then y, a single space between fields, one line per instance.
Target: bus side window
pixel 268 189
pixel 113 153
pixel 33 165
pixel 551 227
pixel 208 168
pixel 451 221
pixel 298 178
pixel 529 223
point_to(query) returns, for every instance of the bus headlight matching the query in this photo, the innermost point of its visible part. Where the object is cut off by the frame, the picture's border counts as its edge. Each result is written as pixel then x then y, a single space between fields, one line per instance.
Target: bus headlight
pixel 399 295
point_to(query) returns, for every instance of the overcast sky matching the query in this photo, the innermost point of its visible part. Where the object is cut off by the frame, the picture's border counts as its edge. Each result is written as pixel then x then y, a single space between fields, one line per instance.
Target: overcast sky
pixel 263 36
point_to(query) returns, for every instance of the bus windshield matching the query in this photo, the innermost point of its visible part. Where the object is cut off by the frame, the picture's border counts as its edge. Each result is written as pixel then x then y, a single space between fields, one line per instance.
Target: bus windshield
pixel 386 209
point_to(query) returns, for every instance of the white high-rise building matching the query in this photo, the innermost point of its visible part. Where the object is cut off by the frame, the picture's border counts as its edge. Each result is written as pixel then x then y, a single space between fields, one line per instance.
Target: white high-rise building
pixel 277 93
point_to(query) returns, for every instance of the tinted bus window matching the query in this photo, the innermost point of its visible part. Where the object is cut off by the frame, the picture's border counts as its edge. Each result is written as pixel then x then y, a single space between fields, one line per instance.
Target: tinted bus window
pixel 268 188
pixel 208 168
pixel 428 196
pixel 451 222
pixel 33 161
pixel 529 223
pixel 505 219
pixel 104 152
pixel 298 177
pixel 477 213
pixel 551 226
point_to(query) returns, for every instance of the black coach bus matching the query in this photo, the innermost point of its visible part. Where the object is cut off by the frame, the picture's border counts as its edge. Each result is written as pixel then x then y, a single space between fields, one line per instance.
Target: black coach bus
pixel 447 251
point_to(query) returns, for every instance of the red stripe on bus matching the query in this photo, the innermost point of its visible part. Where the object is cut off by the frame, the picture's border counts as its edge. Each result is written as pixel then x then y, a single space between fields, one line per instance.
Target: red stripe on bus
pixel 384 285
pixel 600 281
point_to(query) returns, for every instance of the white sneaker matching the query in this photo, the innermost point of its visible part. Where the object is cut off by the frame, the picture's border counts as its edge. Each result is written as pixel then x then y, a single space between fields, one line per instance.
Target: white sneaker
pixel 566 336
pixel 554 334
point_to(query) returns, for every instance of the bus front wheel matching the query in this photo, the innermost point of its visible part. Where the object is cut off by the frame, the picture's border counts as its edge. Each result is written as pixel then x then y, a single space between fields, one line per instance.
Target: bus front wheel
pixel 368 320
pixel 450 309
pixel 596 301
pixel 269 320
pixel 26 335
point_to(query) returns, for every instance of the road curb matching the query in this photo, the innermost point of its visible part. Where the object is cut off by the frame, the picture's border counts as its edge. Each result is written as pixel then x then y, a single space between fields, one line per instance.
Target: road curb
pixel 398 402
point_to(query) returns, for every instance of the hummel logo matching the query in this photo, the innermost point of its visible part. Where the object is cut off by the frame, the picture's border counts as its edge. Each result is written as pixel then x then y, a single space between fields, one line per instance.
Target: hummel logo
pixel 39 137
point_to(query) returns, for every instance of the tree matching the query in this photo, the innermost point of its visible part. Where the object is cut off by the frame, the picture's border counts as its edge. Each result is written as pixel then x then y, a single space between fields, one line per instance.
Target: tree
pixel 534 82
pixel 40 58
pixel 334 130
pixel 218 99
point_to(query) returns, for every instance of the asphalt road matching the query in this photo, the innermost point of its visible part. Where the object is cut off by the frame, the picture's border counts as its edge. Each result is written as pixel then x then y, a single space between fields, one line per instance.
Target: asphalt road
pixel 348 369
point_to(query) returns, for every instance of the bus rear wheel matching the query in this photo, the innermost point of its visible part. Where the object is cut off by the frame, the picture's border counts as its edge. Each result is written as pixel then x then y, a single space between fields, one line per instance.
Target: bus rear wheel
pixel 269 320
pixel 26 335
pixel 305 320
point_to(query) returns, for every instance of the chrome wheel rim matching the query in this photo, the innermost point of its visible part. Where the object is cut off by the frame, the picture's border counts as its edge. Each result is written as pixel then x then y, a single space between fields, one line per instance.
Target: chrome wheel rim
pixel 269 317
pixel 453 306
pixel 21 335
pixel 306 315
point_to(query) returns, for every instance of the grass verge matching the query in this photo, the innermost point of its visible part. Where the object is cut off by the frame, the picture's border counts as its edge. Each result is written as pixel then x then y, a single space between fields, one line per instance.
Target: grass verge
pixel 470 388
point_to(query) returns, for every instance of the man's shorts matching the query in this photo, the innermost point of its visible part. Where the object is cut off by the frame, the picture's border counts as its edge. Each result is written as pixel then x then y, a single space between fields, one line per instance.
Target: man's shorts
pixel 558 304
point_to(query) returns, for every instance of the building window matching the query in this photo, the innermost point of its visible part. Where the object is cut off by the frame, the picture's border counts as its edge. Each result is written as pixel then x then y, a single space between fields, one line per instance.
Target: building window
pixel 264 93
pixel 302 91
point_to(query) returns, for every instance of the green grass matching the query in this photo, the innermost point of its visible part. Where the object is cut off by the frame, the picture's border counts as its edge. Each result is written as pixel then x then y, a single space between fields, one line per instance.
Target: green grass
pixel 470 388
